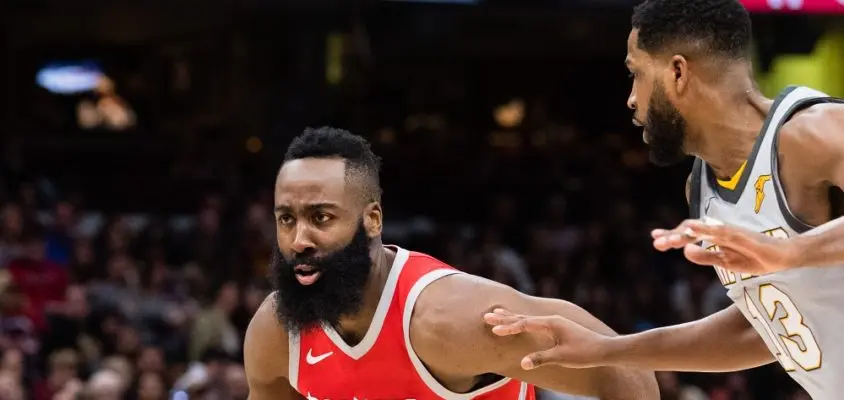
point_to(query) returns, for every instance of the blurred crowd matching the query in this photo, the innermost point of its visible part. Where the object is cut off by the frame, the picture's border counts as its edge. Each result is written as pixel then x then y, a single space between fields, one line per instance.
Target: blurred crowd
pixel 136 220
pixel 117 314
pixel 146 306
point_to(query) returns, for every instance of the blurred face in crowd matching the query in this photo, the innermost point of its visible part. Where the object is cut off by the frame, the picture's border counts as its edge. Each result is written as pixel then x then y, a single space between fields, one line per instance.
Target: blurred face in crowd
pixel 64 216
pixel 105 385
pixel 10 388
pixel 325 231
pixel 151 359
pixel 12 363
pixel 83 252
pixel 665 130
pixel 228 297
pixel 150 387
pixel 12 220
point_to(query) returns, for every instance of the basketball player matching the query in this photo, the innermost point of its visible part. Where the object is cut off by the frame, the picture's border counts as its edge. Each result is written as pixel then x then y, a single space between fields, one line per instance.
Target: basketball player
pixel 769 166
pixel 352 318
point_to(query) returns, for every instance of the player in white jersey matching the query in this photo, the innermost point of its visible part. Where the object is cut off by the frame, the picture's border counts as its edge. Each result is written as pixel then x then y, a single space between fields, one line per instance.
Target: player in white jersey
pixel 771 170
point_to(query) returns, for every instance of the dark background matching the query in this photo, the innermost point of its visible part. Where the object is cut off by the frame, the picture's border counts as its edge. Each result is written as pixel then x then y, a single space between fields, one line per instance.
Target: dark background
pixel 151 242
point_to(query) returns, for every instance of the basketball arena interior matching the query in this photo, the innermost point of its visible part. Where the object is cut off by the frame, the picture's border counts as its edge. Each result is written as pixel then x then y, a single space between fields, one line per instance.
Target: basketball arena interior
pixel 140 141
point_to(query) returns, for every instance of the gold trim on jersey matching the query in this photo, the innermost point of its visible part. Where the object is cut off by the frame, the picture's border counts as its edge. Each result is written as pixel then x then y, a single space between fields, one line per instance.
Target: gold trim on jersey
pixel 731 183
pixel 760 191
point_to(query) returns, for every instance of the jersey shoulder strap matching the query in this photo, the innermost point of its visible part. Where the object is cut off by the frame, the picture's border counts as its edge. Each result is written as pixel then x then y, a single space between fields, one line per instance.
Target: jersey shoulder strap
pixel 694 189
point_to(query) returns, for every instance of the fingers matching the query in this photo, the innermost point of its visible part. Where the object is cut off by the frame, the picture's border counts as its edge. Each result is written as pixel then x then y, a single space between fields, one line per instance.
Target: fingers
pixel 673 241
pixel 512 324
pixel 721 234
pixel 711 231
pixel 504 324
pixel 514 328
pixel 701 256
pixel 724 258
pixel 502 311
pixel 658 233
pixel 538 359
pixel 677 238
pixel 694 230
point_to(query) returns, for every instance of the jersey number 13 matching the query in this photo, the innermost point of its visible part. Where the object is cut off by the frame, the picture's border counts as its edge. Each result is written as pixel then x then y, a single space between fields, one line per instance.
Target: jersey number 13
pixel 798 346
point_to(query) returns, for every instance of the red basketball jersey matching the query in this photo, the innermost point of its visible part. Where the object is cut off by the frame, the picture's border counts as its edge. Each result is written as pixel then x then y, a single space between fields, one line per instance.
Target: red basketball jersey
pixel 383 366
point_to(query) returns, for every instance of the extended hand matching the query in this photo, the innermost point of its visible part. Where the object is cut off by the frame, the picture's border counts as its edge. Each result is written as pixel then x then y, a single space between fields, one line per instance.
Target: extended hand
pixel 738 249
pixel 677 238
pixel 574 345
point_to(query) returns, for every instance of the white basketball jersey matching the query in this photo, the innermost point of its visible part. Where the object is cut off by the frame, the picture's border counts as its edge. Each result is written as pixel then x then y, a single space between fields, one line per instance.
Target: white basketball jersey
pixel 799 313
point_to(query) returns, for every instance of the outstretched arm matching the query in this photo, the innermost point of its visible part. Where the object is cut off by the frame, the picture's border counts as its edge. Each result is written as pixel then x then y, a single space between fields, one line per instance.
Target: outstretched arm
pixel 453 307
pixel 722 342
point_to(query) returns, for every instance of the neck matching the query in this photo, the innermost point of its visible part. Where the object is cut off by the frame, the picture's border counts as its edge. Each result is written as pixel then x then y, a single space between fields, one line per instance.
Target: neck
pixel 725 142
pixel 354 327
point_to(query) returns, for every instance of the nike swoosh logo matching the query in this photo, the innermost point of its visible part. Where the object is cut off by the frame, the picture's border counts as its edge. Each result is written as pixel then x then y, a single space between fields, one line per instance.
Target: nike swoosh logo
pixel 313 360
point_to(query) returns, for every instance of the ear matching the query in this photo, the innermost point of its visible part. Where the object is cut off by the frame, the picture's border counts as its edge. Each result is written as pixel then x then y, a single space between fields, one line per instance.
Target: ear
pixel 678 75
pixel 373 219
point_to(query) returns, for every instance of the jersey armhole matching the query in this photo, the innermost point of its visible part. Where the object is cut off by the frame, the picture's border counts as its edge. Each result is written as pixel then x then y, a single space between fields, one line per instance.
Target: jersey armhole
pixel 792 220
pixel 293 356
pixel 430 381
pixel 694 189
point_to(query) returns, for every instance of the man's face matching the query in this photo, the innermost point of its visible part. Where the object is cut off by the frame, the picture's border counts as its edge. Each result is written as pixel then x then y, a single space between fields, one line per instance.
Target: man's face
pixel 665 130
pixel 322 263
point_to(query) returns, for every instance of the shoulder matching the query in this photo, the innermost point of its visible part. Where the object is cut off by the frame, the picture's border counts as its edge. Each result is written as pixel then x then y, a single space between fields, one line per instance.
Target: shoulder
pixel 446 327
pixel 425 260
pixel 813 125
pixel 266 345
pixel 813 137
pixel 415 267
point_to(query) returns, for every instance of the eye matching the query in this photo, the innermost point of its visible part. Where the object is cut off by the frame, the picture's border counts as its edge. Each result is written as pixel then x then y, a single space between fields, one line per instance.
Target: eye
pixel 285 219
pixel 321 218
pixel 631 75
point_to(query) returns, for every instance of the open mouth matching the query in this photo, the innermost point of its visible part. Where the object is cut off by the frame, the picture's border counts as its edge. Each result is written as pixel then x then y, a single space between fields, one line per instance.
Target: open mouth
pixel 306 274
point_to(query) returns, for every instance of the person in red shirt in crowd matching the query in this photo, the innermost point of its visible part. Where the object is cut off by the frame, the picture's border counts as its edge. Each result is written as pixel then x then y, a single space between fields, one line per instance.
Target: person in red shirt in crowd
pixel 42 282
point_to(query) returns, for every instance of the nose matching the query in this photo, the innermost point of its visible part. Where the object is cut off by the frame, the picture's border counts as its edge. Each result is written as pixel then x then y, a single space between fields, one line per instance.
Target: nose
pixel 631 100
pixel 302 240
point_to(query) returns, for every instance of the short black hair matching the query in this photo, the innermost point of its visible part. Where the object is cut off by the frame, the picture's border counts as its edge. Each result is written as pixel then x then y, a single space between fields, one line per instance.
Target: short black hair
pixel 714 27
pixel 327 142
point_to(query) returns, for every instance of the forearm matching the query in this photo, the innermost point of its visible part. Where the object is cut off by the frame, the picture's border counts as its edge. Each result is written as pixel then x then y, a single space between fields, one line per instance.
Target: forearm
pixel 820 247
pixel 724 341
pixel 610 382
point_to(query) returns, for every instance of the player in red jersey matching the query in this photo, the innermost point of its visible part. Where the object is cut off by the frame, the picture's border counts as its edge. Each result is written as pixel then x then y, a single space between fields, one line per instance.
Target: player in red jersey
pixel 352 318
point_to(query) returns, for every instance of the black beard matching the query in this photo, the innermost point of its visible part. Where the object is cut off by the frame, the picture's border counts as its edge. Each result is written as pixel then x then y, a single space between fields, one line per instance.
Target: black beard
pixel 338 292
pixel 666 130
